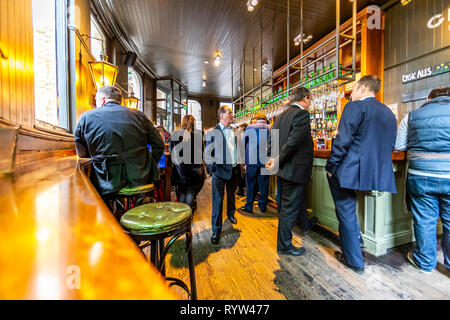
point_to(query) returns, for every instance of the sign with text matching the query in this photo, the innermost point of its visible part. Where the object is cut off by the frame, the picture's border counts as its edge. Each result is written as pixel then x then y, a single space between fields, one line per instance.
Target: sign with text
pixel 426 72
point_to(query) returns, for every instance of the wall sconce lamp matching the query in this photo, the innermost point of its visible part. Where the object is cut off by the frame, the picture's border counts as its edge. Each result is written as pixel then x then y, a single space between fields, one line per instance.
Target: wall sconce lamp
pixel 103 73
pixel 131 101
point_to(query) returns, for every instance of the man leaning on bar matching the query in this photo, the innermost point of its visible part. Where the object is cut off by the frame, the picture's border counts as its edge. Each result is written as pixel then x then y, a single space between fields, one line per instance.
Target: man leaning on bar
pixel 360 160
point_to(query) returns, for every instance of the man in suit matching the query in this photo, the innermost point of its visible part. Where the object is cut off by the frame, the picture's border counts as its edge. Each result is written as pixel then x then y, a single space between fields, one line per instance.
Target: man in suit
pixel 224 167
pixel 116 139
pixel 295 167
pixel 361 159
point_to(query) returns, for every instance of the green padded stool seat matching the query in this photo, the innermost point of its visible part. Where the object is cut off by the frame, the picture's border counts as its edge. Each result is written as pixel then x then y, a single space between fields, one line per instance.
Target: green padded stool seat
pixel 130 197
pixel 132 191
pixel 153 222
pixel 156 218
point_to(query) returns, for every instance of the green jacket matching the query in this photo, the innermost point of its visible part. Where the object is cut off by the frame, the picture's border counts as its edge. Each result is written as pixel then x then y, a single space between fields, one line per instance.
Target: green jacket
pixel 117 139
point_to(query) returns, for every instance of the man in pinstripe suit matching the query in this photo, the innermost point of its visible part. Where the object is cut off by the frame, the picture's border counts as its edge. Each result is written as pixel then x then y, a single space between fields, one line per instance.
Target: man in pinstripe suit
pixel 360 160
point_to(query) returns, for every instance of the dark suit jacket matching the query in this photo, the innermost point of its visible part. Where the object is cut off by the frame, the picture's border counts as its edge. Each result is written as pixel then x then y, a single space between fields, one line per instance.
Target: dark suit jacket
pixel 361 154
pixel 296 145
pixel 116 139
pixel 220 168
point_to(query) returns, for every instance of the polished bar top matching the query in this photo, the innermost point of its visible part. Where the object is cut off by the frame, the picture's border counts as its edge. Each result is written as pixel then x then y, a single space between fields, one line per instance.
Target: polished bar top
pixel 58 240
pixel 322 153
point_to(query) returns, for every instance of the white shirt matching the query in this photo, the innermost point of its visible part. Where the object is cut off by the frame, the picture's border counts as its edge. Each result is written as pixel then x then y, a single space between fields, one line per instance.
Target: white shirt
pixel 366 98
pixel 297 105
pixel 401 143
pixel 231 143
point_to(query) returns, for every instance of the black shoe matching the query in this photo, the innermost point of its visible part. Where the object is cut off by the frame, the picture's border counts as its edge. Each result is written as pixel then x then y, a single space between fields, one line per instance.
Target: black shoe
pixel 293 251
pixel 341 259
pixel 312 222
pixel 242 209
pixel 263 210
pixel 215 238
pixel 233 220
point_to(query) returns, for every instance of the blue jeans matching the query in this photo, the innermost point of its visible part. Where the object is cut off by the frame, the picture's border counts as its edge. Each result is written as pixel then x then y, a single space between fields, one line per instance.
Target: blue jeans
pixel 254 179
pixel 429 198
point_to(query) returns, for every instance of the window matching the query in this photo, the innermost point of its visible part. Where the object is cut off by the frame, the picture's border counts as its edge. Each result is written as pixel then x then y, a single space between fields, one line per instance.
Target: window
pixel 195 109
pixel 50 62
pixel 161 99
pixel 135 85
pixel 96 39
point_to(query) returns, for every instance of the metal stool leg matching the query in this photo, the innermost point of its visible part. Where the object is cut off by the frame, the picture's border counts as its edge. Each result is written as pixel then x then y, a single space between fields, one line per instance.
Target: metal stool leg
pixel 191 265
pixel 161 250
pixel 154 252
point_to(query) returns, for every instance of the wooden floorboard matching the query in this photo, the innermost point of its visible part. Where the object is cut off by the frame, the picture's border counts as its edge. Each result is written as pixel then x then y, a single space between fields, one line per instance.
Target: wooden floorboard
pixel 245 264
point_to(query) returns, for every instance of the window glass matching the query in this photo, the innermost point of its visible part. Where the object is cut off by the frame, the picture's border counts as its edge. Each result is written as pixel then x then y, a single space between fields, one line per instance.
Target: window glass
pixel 135 85
pixel 96 39
pixel 161 95
pixel 50 63
pixel 195 109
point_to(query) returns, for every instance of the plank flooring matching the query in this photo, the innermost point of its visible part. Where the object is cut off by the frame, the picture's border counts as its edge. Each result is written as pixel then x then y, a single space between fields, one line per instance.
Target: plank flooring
pixel 246 266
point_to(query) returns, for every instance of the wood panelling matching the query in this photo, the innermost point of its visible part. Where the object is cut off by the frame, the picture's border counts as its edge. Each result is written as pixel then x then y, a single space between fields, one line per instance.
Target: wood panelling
pixel 17 71
pixel 410 46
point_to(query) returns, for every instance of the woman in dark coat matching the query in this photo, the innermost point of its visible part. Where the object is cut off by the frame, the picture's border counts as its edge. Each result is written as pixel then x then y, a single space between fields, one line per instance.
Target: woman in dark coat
pixel 188 174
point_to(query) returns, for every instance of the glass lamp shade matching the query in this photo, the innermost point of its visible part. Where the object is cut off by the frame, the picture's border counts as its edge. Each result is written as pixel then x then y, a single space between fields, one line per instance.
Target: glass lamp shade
pixel 103 73
pixel 132 102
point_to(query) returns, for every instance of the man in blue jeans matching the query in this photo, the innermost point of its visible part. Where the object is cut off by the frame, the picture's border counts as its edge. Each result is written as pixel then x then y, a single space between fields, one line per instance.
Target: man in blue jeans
pixel 425 133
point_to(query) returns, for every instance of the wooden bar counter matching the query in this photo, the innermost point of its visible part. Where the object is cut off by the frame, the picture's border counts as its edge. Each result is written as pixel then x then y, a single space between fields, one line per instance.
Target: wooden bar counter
pixel 58 240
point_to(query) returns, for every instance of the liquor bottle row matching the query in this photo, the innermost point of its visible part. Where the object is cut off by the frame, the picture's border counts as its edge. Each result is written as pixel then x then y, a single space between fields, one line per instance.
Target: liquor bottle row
pixel 329 122
pixel 323 75
pixel 277 98
pixel 323 135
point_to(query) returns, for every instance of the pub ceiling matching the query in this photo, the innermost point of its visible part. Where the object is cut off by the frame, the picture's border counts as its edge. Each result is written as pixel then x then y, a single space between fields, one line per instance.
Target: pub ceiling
pixel 176 37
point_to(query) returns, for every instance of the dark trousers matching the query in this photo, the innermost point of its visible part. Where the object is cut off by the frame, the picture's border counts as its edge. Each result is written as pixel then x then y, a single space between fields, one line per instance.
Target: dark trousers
pixel 278 196
pixel 349 232
pixel 241 185
pixel 293 207
pixel 253 179
pixel 188 193
pixel 218 191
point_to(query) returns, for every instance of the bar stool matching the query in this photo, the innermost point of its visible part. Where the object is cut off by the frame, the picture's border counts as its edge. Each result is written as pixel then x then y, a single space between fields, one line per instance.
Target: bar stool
pixel 130 197
pixel 153 222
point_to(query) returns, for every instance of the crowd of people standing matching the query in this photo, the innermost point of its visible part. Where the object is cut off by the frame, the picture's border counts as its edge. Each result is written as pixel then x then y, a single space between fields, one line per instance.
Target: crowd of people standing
pixel 243 158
